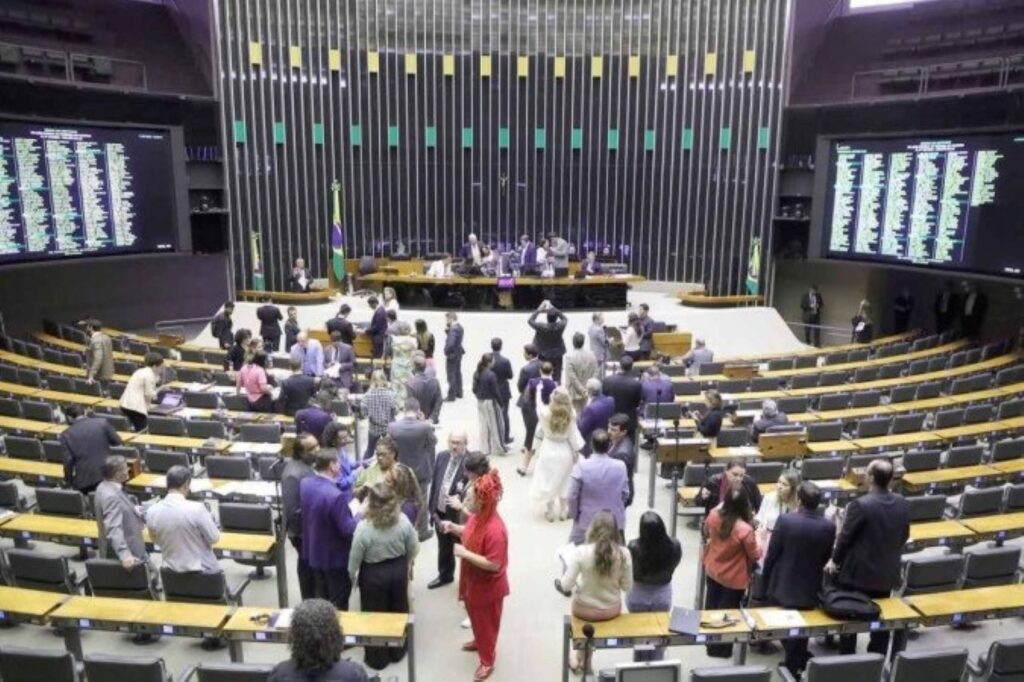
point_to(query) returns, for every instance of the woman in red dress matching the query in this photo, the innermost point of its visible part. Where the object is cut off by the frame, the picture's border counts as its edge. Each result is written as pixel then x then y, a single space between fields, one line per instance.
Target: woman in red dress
pixel 483 583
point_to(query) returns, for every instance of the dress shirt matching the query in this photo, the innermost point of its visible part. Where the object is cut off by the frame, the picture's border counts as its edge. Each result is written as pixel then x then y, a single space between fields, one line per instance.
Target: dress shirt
pixel 253 380
pixel 185 532
pixel 379 406
pixel 140 390
pixel 311 357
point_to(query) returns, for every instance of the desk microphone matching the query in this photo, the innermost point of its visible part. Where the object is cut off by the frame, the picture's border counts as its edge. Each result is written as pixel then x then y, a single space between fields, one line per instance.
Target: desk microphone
pixel 588 649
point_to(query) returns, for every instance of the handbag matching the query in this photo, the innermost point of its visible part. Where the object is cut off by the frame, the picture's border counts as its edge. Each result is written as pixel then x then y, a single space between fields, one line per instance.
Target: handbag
pixel 848 604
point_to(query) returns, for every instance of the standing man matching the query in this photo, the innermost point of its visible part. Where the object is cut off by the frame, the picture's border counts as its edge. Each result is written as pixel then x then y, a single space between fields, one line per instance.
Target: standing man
pixel 378 328
pixel 656 387
pixel 99 355
pixel 296 390
pixel 502 368
pixel 449 480
pixel 424 388
pixel 698 355
pixel 625 390
pixel 453 352
pixel 547 336
pixel 315 417
pixel 811 304
pixel 119 521
pixel 597 483
pixel 527 403
pixel 800 546
pixel 327 529
pixel 580 367
pixel 86 448
pixel 270 318
pixel 184 530
pixel 902 309
pixel 559 248
pixel 947 306
pixel 621 448
pixel 598 342
pixel 415 441
pixel 299 467
pixel 220 327
pixel 870 545
pixel 309 353
pixel 527 252
pixel 291 328
pixel 596 414
pixel 975 303
pixel 341 324
pixel 340 361
pixel 647 327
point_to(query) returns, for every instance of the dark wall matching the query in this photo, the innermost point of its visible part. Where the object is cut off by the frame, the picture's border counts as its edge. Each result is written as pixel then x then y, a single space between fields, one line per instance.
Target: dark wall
pixel 687 213
pixel 130 292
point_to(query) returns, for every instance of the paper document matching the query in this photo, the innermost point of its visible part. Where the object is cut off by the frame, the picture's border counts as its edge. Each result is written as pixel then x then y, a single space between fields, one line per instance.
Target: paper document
pixel 828 483
pixel 263 489
pixel 782 618
pixel 281 620
pixel 256 448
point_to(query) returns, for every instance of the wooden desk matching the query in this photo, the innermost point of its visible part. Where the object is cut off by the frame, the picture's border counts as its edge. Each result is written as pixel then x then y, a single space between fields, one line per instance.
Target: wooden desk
pixel 964 606
pixel 982 429
pixel 877 343
pixel 895 615
pixel 179 443
pixel 119 355
pixel 897 440
pixel 36 428
pixel 824 447
pixel 32 472
pixel 179 618
pixel 291 297
pixel 51 367
pixel 66 398
pixel 215 488
pixel 688 496
pixel 701 300
pixel 938 533
pixel 997 527
pixel 916 481
pixel 18 605
pixel 8 388
pixel 1012 468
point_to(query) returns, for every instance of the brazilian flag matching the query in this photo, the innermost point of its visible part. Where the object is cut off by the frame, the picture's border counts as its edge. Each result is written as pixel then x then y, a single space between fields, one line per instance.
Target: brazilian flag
pixel 754 268
pixel 337 237
pixel 258 282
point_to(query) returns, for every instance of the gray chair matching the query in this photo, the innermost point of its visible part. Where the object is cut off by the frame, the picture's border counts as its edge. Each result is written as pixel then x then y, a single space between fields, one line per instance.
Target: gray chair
pixel 46 354
pixel 805 381
pixel 780 364
pixel 711 368
pixel 83 387
pixel 902 394
pixel 928 390
pixel 202 428
pixel 805 361
pixel 793 405
pixel 958 359
pixel 908 423
pixel 1010 409
pixel 40 411
pixel 858 355
pixel 200 588
pixel 822 468
pixel 107 578
pixel 30 377
pixel 937 364
pixel 866 399
pixel 890 371
pixel 917 367
pixel 192 354
pixel 834 378
pixel 964 456
pixel 987 566
pixel 686 387
pixel 853 668
pixel 10 497
pixel 248 518
pixel 222 378
pixel 118 421
pixel 166 426
pixel 926 574
pixel 939 665
pixel 977 414
pixel 126 668
pixel 1007 449
pixel 926 508
pixel 837 358
pixel 9 407
pixel 61 502
pixel 824 431
pixel 1003 662
pixel 979 502
pixel 9 373
pixel 947 419
pixel 662 411
pixel 260 433
pixel 269 469
pixel 37 570
pixel 226 466
pixel 922 460
pixel 1014 497
pixel 733 386
pixel 125 367
pixel 227 672
pixel 732 673
pixel 22 447
pixel 159 461
pixel 190 375
pixel 834 401
pixel 871 428
pixel 863 374
pixel 732 437
pixel 206 401
pixel 765 472
pixel 343 409
pixel 56 382
pixel 235 403
pixel 962 385
pixel 20 664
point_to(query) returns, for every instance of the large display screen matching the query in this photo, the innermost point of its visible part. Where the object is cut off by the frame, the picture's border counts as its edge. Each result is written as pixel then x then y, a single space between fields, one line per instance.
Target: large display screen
pixel 951 202
pixel 84 191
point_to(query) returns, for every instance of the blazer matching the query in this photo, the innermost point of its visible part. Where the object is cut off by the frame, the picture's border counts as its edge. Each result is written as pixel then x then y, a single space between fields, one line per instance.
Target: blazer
pixel 457 487
pixel 119 522
pixel 627 393
pixel 296 391
pixel 291 331
pixel 140 390
pixel 453 342
pixel 595 416
pixel 598 343
pixel 657 391
pixel 646 335
pixel 597 483
pixel 344 357
pixel 377 329
pixel 99 357
pixel 327 524
pixel 485 386
pixel 695 357
pixel 807 313
pixel 714 488
pixel 220 327
pixel 560 250
pixel 871 542
pixel 800 546
pixel 298 274
pixel 270 321
pixel 547 336
pixel 529 255
pixel 529 371
pixel 624 453
pixel 580 365
pixel 415 441
pixel 502 369
pixel 86 446
pixel 427 390
pixel 343 327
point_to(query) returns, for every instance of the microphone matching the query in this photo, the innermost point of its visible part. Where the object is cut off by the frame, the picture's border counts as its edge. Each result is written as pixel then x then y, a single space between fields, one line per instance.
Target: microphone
pixel 588 648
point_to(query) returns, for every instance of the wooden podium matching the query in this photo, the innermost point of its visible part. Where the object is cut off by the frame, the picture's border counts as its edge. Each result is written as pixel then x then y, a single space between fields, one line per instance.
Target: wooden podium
pixel 675 451
pixel 789 445
pixel 672 344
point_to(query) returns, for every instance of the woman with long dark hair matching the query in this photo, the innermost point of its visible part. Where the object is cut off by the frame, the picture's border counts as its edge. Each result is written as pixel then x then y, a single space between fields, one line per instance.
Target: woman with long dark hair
pixel 236 355
pixel 729 557
pixel 316 641
pixel 253 380
pixel 425 341
pixel 655 558
pixel 485 388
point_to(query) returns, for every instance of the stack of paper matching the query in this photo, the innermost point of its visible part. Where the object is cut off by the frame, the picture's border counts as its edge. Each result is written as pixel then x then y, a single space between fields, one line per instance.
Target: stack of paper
pixel 281 620
pixel 782 618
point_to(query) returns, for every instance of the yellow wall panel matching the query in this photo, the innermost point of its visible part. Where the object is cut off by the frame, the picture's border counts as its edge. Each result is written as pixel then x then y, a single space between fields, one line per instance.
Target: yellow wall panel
pixel 256 53
pixel 334 60
pixel 634 66
pixel 295 56
pixel 523 67
pixel 559 67
pixel 485 65
pixel 410 64
pixel 448 64
pixel 596 67
pixel 749 61
pixel 672 65
pixel 710 64
pixel 373 62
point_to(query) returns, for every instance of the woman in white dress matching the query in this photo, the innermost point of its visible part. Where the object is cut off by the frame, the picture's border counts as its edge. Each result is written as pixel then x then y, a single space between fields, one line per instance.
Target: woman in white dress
pixel 560 445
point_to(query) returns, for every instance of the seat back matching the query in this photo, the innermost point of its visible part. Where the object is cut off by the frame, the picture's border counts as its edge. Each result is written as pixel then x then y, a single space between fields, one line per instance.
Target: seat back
pixel 876 426
pixel 988 566
pixel 1006 659
pixel 765 472
pixel 764 384
pixel 83 387
pixel 834 378
pixel 206 401
pixel 40 411
pixel 805 361
pixel 926 574
pixel 947 419
pixel 1007 449
pixel 118 421
pixel 858 355
pixel 40 571
pixel 976 414
pixel 834 401
pixel 793 404
pixel 926 507
pixel 1014 497
pixel 710 368
pixel 9 407
pixel 667 411
pixel 56 382
pixel 928 390
pixel 125 668
pixel 854 668
pixel 824 431
pixel 822 468
pixel 902 394
pixel 732 437
pixel 19 664
pixel 61 501
pixel 805 381
pixel 780 364
pixel 269 469
pixel 908 423
pixel 1010 409
pixel 208 588
pixel 686 387
pixel 980 502
pixel 917 367
pixel 836 358
pixel 108 578
pixel 246 518
pixel 958 359
pixel 159 461
pixel 732 673
pixel 166 426
pixel 733 385
pixel 890 371
pixel 190 374
pixel 937 364
pixel 866 399
pixel 29 377
pixel 260 433
pixel 962 385
pixel 236 403
pixel 964 455
pixel 202 428
pixel 10 496
pixel 694 474
pixel 226 466
pixel 922 460
pixel 23 447
pixel 231 672
pixel 862 374
pixel 942 665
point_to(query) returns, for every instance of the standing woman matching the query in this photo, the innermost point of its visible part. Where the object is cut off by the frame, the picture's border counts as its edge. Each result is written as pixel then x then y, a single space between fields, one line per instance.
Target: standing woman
pixel 655 558
pixel 485 388
pixel 390 300
pixel 403 343
pixel 863 327
pixel 425 341
pixel 253 380
pixel 631 334
pixel 141 390
pixel 560 445
pixel 730 553
pixel 780 501
pixel 383 547
pixel 236 356
pixel 380 406
pixel 483 583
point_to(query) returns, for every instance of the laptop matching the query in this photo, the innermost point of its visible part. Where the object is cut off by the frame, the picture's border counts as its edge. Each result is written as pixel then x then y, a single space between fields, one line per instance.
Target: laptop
pixel 170 403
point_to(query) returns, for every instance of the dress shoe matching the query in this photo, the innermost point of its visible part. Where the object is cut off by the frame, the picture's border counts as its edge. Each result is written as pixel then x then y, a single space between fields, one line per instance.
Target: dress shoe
pixel 439 582
pixel 469 646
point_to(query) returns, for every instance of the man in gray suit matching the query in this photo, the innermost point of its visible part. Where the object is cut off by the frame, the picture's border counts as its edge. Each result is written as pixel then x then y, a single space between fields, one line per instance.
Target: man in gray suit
pixel 415 441
pixel 86 447
pixel 339 361
pixel 118 518
pixel 425 388
pixel 598 342
pixel 99 354
pixel 698 355
pixel 580 367
pixel 560 250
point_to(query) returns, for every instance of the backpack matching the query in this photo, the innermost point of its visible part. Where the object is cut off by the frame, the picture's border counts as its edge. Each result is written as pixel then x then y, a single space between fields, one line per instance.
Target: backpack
pixel 848 605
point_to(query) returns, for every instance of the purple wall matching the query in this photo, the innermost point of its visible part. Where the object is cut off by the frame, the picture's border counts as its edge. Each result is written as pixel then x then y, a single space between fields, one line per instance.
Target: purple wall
pixel 809 19
pixel 194 21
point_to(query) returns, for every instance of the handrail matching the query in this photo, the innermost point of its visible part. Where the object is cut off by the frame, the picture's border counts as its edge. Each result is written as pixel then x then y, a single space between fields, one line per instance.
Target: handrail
pixel 925 71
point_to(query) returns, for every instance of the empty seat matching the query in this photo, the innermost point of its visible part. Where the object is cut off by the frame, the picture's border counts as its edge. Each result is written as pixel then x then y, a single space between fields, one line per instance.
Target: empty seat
pixel 118 421
pixel 731 673
pixel 964 456
pixel 980 502
pixel 925 574
pixel 1007 449
pixel 126 668
pixel 822 468
pixel 917 367
pixel 824 431
pixel 60 383
pixel 166 426
pixel 225 466
pixel 947 419
pixel 270 469
pixel 926 507
pixel 1003 662
pixel 958 359
pixel 40 411
pixel 22 447
pixel 922 460
pixel 871 428
pixel 836 358
pixel 37 570
pixel 108 578
pixel 733 386
pixel 976 414
pixel 764 384
pixel 927 390
pixel 1015 497
pixel 732 437
pixel 780 364
pixel 125 367
pixel 792 405
pixel 981 381
pixel 863 374
pixel 853 668
pixel 941 665
pixel 805 362
pixel 202 428
pixel 664 411
pixel 260 433
pixel 235 403
pixel 987 566
pixel 693 473
pixel 207 401
pixel 937 364
pixel 866 399
pixel 61 502
pixel 858 355
pixel 18 664
pixel 9 407
pixel 159 461
pixel 228 672
pixel 805 381
pixel 222 378
pixel 710 368
pixel 908 423
pixel 902 394
pixel 248 518
pixel 834 378
pixel 1010 409
pixel 83 387
pixel 962 385
pixel 834 401
pixel 765 472
pixel 973 356
pixel 10 497
pixel 202 588
pixel 890 371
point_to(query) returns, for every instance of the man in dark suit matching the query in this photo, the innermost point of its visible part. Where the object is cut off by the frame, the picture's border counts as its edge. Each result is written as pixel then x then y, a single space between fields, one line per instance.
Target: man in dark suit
pixel 527 403
pixel 626 391
pixel 339 361
pixel 734 477
pixel 947 307
pixel 453 352
pixel 973 313
pixel 647 326
pixel 86 448
pixel 270 318
pixel 870 545
pixel 800 546
pixel 811 304
pixel 296 390
pixel 425 388
pixel 622 449
pixel 221 325
pixel 449 480
pixel 378 328
pixel 527 251
pixel 341 324
pixel 547 336
pixel 415 442
pixel 502 369
pixel 902 309
pixel 595 415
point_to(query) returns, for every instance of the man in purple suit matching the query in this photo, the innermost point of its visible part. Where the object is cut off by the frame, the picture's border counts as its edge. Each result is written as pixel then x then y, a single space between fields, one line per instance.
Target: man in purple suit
pixel 327 528
pixel 378 328
pixel 527 251
pixel 598 483
pixel 656 387
pixel 595 415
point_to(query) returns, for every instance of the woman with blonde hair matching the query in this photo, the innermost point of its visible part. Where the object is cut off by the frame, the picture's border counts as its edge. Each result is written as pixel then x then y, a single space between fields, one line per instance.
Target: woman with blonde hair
pixel 390 299
pixel 863 327
pixel 380 406
pixel 780 501
pixel 560 445
pixel 383 547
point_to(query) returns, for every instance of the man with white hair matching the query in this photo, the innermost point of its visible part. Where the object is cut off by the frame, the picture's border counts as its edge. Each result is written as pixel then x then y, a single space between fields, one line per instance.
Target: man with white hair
pixel 309 353
pixel 770 416
pixel 698 355
pixel 596 414
pixel 598 342
pixel 425 388
pixel 449 481
pixel 471 250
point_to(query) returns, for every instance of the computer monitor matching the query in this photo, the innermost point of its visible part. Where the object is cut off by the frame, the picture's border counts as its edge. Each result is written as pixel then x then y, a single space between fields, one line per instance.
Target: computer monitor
pixel 653 671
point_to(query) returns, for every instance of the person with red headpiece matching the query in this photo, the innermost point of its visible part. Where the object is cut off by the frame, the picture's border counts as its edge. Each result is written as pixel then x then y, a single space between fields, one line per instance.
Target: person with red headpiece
pixel 483 579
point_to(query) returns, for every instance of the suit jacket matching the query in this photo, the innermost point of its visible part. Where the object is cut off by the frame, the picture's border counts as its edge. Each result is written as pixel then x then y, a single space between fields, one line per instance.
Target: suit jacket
pixel 560 250
pixel 597 483
pixel 502 369
pixel 415 441
pixel 657 391
pixel 580 365
pixel 86 446
pixel 291 331
pixel 714 488
pixel 327 523
pixel 529 371
pixel 270 321
pixel 871 542
pixel 120 523
pixel 529 255
pixel 437 494
pixel 646 335
pixel 344 357
pixel 342 326
pixel 598 342
pixel 297 274
pixel 695 357
pixel 627 393
pixel 547 336
pixel 624 453
pixel 296 391
pixel 377 329
pixel 800 546
pixel 220 327
pixel 453 349
pixel 427 390
pixel 762 424
pixel 595 416
pixel 99 356
pixel 808 314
